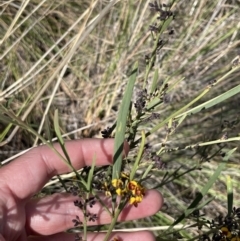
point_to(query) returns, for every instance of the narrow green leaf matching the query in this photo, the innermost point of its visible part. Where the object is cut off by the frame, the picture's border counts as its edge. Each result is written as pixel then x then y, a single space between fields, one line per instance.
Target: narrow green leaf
pixel 156 101
pixel 188 211
pixel 47 128
pixel 149 168
pixel 8 127
pixel 170 123
pixel 165 25
pixel 229 194
pixel 90 174
pixel 57 128
pixel 6 119
pixel 172 86
pixel 140 152
pixel 181 119
pixel 12 118
pixel 59 136
pixel 155 81
pixel 208 104
pixel 181 112
pixel 121 123
pixel 194 205
pixel 62 144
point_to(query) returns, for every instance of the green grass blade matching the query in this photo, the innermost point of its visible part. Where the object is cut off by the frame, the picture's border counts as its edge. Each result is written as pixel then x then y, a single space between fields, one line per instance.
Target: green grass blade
pixel 121 123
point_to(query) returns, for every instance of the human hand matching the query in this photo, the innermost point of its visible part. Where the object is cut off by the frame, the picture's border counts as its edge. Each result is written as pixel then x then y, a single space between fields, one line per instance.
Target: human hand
pixel 47 218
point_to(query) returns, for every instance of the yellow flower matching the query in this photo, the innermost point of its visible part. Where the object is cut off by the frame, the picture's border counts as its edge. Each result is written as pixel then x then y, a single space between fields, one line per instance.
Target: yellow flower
pixel 132 185
pixel 118 184
pixel 108 193
pixel 135 200
pixel 120 192
pixel 133 189
pixel 124 175
pixel 226 232
pixel 235 239
pixel 137 192
pixel 106 189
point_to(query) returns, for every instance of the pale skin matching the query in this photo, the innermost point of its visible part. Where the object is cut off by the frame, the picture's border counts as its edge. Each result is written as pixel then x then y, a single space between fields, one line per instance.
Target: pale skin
pixel 22 217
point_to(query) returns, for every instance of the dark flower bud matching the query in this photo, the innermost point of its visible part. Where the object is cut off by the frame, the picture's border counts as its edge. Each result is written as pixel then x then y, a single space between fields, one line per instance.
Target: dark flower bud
pixel 78 203
pixel 106 133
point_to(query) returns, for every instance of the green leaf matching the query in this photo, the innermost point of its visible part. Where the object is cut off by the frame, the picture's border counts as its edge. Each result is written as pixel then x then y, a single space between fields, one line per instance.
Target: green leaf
pixel 156 101
pixel 47 128
pixel 59 136
pixel 57 128
pixel 8 127
pixel 62 144
pixel 155 81
pixel 121 124
pixel 165 25
pixel 149 168
pixel 229 194
pixel 90 174
pixel 194 205
pixel 10 117
pixel 140 152
pixel 208 104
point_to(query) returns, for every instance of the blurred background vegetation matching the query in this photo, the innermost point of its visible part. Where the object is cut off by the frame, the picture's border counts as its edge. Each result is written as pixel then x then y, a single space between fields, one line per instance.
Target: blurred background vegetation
pixel 74 57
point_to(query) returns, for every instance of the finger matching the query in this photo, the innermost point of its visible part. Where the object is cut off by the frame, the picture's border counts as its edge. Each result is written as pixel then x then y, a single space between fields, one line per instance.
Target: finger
pixel 55 213
pixel 120 236
pixel 28 174
pixel 2 238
